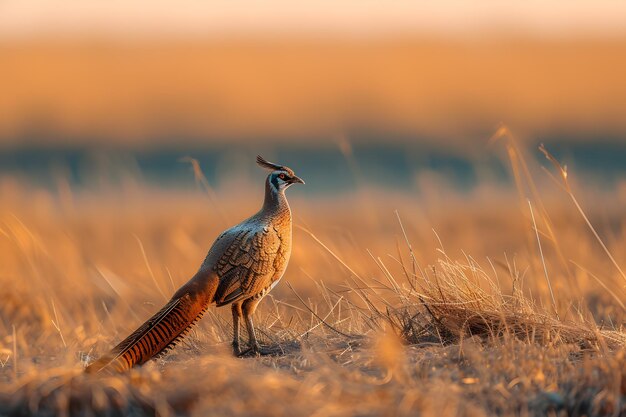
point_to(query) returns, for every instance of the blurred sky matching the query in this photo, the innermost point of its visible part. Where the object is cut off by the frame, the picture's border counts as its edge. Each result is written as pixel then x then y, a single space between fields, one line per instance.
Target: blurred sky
pixel 392 78
pixel 143 72
pixel 316 17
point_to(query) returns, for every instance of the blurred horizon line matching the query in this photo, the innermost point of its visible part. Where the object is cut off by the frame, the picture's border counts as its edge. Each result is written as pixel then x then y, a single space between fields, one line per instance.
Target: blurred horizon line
pixel 393 167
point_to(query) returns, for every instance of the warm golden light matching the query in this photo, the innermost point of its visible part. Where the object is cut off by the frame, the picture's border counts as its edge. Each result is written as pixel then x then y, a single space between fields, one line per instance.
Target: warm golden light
pixel 459 248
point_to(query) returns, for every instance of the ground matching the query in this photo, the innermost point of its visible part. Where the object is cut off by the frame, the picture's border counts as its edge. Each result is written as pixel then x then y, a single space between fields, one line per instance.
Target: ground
pixel 431 303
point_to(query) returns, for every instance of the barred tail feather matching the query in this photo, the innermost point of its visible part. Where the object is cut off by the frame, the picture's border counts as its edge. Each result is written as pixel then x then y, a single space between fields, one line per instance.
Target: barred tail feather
pixel 159 334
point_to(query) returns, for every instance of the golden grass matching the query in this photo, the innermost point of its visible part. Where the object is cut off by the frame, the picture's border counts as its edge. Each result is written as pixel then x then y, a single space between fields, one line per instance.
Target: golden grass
pixel 371 319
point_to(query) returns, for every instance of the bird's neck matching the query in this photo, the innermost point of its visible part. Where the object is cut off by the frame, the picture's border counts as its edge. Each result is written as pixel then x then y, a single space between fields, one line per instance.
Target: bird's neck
pixel 275 203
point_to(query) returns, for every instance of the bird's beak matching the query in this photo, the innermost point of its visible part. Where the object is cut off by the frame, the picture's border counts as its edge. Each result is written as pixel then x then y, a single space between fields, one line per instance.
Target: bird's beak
pixel 295 179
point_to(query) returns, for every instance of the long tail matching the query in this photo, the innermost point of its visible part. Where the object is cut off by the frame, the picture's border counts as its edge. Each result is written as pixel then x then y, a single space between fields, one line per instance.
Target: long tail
pixel 156 336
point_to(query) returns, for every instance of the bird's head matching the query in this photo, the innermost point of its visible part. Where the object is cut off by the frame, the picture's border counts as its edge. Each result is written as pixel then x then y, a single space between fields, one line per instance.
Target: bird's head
pixel 281 176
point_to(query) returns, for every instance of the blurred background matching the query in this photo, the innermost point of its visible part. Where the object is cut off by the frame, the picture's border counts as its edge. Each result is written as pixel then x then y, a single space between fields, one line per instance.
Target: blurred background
pixel 105 93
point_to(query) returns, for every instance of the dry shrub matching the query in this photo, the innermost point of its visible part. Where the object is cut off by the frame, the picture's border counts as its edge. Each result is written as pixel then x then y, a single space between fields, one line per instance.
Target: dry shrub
pixel 454 306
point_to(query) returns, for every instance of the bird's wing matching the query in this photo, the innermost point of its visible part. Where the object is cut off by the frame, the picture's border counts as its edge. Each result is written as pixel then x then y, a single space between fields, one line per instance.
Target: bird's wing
pixel 247 265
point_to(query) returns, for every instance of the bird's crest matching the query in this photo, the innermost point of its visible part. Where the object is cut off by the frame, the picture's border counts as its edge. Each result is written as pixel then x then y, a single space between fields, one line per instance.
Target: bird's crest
pixel 272 166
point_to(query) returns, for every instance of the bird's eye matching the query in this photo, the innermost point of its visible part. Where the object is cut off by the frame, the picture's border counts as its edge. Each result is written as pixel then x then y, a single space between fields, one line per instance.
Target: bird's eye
pixel 282 176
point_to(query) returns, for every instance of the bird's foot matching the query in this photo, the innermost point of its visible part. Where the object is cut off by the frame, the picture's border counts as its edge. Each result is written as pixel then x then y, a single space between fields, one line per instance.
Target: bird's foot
pixel 256 350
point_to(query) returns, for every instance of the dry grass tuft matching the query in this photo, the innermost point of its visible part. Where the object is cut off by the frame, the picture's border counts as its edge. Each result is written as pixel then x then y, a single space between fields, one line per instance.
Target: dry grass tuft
pixel 454 305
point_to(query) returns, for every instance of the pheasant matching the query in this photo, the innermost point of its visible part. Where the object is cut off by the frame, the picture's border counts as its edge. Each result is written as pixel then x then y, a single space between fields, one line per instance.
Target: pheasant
pixel 243 265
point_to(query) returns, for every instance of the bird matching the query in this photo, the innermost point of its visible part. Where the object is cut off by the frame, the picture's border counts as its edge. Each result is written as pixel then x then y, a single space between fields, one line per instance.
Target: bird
pixel 244 263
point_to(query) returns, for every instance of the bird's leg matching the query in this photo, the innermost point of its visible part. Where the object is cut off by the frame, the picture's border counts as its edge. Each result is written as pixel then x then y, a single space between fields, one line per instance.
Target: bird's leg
pixel 248 308
pixel 253 343
pixel 236 309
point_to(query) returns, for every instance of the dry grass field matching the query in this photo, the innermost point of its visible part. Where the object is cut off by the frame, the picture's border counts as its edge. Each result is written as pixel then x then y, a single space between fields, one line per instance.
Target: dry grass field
pixel 499 301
